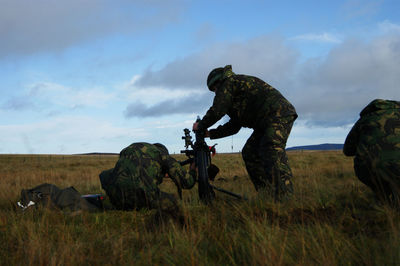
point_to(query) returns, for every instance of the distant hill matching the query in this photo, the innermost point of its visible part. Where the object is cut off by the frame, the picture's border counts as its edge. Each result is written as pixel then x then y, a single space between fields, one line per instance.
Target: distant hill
pixel 318 147
pixel 98 153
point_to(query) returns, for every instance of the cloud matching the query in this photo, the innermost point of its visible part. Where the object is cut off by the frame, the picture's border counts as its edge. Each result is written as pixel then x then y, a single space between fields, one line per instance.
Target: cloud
pixel 193 103
pixel 69 97
pixel 81 133
pixel 324 37
pixel 301 132
pixel 265 56
pixel 130 91
pixel 389 27
pixel 28 27
pixel 204 33
pixel 333 90
pixel 358 9
pixel 326 91
pixel 18 104
pixel 43 96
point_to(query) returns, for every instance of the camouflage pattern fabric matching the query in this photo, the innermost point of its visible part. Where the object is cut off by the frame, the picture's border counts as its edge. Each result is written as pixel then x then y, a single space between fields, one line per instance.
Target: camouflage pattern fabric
pixel 266 160
pixel 253 103
pixel 133 182
pixel 248 101
pixel 374 140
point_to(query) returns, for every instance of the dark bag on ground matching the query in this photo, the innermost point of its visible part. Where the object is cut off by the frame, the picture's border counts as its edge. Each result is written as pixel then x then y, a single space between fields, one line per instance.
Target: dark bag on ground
pixel 49 195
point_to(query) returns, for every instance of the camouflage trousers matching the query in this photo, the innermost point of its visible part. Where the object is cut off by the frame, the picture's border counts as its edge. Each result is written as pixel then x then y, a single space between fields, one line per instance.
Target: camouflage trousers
pixel 383 177
pixel 266 160
pixel 127 192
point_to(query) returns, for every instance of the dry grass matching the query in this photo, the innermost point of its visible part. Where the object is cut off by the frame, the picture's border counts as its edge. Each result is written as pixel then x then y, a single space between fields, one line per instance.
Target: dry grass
pixel 332 219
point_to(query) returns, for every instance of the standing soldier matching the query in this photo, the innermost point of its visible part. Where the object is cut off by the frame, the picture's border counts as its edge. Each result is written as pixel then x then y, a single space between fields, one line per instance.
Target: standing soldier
pixel 133 183
pixel 374 140
pixel 251 102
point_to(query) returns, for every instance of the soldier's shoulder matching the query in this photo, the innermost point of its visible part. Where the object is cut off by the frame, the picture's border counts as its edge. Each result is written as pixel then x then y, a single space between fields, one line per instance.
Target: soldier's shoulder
pixel 245 81
pixel 242 77
pixel 137 147
pixel 150 149
pixel 379 105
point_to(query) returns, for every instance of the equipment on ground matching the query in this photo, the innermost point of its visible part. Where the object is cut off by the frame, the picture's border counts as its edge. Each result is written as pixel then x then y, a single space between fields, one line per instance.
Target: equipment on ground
pixel 200 153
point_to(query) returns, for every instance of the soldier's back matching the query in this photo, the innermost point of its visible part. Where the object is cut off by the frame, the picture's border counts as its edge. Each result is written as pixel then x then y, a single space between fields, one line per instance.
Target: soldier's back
pixel 255 101
pixel 380 130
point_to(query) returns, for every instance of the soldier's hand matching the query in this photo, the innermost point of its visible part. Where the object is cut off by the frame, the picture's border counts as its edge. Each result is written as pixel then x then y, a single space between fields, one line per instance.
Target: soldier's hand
pixel 195 126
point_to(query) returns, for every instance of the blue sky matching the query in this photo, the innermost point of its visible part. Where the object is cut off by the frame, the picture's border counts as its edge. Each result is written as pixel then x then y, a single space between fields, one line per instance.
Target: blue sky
pixel 95 75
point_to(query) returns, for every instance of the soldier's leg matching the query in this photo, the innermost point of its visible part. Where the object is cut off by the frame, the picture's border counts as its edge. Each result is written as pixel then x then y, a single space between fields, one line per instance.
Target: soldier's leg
pixel 389 173
pixel 363 171
pixel 366 171
pixel 167 207
pixel 254 163
pixel 135 196
pixel 272 149
pixel 146 192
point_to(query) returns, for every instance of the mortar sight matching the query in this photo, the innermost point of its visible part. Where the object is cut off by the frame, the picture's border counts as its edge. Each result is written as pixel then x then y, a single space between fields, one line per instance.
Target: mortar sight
pixel 188 138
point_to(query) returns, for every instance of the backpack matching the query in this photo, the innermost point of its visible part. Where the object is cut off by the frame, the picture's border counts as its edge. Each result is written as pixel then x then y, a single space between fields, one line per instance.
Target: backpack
pixel 50 196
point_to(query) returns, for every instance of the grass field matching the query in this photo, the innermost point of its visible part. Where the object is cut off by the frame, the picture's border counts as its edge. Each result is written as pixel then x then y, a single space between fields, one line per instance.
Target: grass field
pixel 332 219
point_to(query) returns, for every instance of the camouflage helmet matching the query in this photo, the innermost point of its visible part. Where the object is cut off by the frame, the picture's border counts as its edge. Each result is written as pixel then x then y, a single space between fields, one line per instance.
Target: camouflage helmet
pixel 161 148
pixel 217 75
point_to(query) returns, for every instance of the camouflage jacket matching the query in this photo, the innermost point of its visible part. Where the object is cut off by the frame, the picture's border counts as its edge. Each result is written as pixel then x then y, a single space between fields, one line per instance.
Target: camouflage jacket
pixel 376 135
pixel 142 165
pixel 248 101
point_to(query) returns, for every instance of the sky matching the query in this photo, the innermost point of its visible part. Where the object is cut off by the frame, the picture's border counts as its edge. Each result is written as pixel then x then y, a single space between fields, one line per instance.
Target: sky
pixel 83 76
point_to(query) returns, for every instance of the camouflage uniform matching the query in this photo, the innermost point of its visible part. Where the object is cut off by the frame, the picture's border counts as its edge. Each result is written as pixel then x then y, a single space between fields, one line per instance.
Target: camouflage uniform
pixel 133 182
pixel 251 102
pixel 374 140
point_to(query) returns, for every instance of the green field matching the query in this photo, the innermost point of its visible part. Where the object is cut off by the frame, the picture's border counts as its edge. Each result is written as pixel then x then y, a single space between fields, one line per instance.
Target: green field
pixel 332 219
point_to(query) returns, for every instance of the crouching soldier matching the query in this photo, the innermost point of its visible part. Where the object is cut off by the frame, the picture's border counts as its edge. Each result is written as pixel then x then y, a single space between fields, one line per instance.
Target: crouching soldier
pixel 133 183
pixel 374 140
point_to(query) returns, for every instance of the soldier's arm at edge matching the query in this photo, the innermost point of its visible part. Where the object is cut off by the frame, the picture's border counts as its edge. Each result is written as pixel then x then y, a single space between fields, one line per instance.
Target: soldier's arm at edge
pixel 351 142
pixel 187 179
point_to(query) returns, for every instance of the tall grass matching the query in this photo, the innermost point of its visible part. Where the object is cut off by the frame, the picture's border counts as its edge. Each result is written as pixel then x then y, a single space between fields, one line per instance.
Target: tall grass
pixel 332 219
